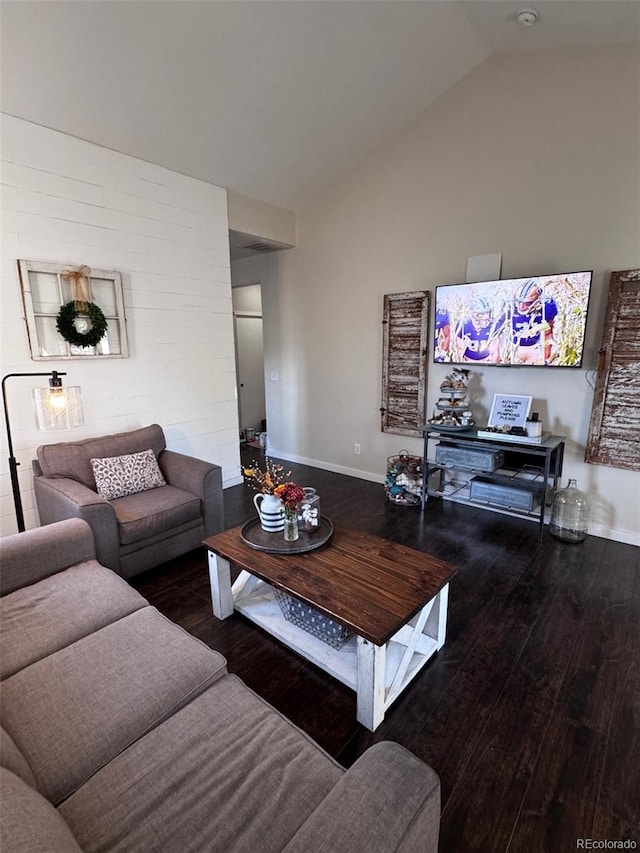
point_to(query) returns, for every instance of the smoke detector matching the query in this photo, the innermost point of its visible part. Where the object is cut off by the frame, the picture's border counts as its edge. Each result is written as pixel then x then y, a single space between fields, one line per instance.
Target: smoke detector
pixel 527 17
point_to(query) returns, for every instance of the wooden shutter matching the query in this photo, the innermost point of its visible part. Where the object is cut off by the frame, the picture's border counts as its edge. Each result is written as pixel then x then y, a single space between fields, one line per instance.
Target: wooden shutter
pixel 614 431
pixel 404 362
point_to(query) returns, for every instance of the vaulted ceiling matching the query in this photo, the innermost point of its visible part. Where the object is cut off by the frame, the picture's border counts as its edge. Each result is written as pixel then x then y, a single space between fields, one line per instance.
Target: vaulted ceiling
pixel 274 100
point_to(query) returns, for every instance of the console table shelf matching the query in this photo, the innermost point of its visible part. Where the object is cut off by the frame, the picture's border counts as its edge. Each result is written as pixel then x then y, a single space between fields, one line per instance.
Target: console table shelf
pixel 524 467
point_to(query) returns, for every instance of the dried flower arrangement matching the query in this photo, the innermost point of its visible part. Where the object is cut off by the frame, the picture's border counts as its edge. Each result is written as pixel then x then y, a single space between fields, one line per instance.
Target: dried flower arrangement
pixel 267 481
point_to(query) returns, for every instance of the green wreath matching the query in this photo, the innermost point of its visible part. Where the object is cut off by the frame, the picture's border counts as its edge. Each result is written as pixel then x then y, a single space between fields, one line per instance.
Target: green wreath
pixel 66 327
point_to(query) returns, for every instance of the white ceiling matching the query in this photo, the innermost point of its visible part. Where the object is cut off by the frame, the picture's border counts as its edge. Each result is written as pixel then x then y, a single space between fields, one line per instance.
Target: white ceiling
pixel 274 100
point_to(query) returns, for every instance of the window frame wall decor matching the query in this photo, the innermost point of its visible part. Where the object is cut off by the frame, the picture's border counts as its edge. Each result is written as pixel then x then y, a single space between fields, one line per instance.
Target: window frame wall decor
pixel 48 286
pixel 405 326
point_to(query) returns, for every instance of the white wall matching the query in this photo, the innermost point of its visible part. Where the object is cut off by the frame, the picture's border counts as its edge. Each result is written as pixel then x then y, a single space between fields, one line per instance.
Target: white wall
pixel 264 220
pixel 70 201
pixel 536 156
pixel 246 298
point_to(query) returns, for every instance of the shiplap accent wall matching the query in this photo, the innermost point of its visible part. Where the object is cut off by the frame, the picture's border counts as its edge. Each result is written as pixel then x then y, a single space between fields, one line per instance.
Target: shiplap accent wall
pixel 70 201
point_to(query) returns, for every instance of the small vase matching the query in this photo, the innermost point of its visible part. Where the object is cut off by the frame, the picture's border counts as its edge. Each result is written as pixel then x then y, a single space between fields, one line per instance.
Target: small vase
pixel 270 511
pixel 290 526
pixel 570 514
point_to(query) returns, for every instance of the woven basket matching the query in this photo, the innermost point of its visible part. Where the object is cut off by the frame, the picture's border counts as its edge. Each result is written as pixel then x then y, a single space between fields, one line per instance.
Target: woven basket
pixel 403 484
pixel 311 620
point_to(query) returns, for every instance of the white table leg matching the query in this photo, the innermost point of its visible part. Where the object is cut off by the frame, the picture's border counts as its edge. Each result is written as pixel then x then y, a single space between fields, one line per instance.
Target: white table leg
pixel 220 580
pixel 443 604
pixel 422 638
pixel 370 690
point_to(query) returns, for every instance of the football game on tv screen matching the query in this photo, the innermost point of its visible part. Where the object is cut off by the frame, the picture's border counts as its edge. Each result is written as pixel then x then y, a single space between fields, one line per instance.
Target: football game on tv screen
pixel 519 321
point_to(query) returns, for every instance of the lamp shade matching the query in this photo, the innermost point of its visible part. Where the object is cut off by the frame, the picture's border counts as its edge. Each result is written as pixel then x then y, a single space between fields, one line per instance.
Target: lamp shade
pixel 59 407
pixel 55 407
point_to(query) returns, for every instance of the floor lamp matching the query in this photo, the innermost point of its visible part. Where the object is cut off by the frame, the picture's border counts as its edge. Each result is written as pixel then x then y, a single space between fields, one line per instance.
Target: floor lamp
pixel 55 407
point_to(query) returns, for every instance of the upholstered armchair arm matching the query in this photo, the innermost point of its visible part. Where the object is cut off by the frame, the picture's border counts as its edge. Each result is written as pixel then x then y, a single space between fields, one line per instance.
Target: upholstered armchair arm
pixel 28 557
pixel 200 478
pixel 60 497
pixel 387 801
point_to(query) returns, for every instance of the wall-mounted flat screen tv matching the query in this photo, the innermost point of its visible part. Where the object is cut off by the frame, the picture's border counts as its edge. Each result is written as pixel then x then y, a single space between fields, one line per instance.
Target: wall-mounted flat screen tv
pixel 539 320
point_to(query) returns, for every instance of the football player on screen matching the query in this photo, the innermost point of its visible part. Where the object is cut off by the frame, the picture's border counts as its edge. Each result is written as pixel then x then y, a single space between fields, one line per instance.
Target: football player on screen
pixel 532 323
pixel 478 334
pixel 442 335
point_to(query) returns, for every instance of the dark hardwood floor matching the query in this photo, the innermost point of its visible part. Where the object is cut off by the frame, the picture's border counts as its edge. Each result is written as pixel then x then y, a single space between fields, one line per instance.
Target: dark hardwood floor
pixel 530 714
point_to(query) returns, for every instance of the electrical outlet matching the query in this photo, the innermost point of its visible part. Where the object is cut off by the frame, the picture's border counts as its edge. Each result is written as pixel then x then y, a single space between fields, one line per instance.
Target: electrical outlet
pixel 356 449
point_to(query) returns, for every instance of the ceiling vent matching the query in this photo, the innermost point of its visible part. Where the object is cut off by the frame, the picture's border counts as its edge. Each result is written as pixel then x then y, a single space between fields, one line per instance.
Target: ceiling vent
pixel 261 247
pixel 245 245
pixel 527 17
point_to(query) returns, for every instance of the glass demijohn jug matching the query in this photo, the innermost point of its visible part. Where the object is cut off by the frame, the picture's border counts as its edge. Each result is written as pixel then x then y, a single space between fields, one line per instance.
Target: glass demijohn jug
pixel 570 514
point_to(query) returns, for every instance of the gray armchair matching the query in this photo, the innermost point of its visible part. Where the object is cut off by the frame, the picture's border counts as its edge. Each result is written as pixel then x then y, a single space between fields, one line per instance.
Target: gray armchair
pixel 141 530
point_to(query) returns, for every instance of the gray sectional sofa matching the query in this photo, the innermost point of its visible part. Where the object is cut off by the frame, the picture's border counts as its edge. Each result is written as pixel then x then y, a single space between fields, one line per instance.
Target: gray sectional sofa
pixel 121 732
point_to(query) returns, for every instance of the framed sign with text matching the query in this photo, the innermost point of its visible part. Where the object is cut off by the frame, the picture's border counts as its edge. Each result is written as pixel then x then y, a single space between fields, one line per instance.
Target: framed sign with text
pixel 509 410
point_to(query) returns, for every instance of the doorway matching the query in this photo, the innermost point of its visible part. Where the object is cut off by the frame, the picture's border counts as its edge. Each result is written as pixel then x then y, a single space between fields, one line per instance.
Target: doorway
pixel 247 316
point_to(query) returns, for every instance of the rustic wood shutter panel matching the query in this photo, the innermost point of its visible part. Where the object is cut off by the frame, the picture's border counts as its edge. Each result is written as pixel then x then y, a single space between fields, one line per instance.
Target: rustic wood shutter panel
pixel 614 431
pixel 404 362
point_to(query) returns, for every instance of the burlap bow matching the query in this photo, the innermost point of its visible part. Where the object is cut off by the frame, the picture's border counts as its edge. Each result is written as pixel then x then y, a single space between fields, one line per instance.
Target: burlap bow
pixel 80 286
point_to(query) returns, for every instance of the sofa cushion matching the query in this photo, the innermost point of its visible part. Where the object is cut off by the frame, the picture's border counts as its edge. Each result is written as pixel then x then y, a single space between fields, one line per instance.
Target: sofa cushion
pixel 117 476
pixel 154 512
pixel 29 823
pixel 37 620
pixel 73 459
pixel 75 710
pixel 402 797
pixel 226 773
pixel 13 759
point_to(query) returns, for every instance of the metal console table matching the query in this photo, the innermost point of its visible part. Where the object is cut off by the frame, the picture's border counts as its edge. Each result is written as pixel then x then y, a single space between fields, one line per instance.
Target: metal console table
pixel 549 452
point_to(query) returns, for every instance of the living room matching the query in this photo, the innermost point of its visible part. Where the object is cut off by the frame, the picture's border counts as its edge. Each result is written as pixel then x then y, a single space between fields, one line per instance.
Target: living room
pixel 518 158
pixel 533 155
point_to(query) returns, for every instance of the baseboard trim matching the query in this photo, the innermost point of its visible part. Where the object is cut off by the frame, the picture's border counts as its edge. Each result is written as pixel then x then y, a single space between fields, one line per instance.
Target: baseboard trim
pixel 328 466
pixel 627 537
pixel 233 481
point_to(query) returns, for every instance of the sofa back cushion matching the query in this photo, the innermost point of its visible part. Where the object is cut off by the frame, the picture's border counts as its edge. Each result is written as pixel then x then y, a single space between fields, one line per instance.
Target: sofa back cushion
pixel 39 620
pixel 28 557
pixel 75 710
pixel 29 822
pixel 73 459
pixel 12 759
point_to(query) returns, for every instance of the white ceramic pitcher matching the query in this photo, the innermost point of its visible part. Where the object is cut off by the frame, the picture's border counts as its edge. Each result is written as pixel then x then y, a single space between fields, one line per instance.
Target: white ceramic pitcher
pixel 270 511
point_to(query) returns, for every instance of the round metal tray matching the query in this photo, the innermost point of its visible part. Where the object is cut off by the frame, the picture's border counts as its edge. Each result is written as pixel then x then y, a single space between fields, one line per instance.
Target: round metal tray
pixel 456 393
pixel 450 428
pixel 261 540
pixel 447 407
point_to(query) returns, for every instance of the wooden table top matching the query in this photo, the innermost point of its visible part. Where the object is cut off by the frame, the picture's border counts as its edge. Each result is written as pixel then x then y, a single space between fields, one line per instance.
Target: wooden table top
pixel 371 585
